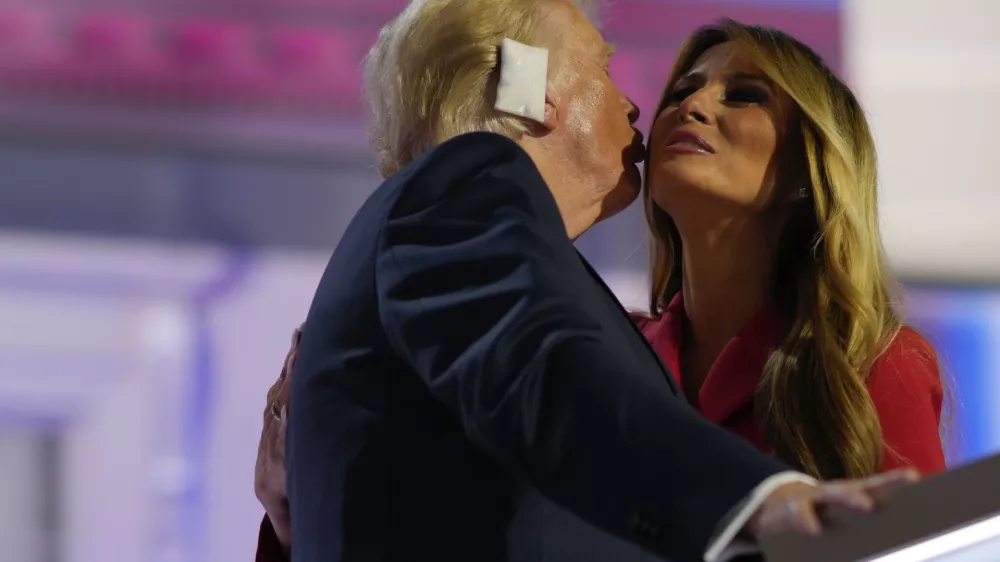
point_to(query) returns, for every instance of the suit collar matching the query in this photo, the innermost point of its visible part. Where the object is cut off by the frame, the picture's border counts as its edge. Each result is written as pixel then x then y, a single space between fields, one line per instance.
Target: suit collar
pixel 671 380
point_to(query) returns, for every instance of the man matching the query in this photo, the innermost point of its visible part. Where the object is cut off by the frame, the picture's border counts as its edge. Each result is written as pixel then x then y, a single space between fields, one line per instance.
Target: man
pixel 466 388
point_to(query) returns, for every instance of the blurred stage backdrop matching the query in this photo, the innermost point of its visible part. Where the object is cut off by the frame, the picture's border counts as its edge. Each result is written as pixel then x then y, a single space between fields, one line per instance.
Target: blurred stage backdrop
pixel 173 176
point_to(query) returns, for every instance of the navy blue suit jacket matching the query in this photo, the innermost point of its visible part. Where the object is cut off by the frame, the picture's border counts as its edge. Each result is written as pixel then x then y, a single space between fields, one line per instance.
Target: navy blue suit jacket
pixel 468 390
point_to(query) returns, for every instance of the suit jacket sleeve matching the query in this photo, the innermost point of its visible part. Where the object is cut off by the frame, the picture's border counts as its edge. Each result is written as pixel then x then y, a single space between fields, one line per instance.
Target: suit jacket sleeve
pixel 905 385
pixel 471 292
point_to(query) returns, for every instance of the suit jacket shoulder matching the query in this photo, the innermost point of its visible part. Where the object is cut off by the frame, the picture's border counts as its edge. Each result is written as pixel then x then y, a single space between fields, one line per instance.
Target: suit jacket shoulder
pixel 457 163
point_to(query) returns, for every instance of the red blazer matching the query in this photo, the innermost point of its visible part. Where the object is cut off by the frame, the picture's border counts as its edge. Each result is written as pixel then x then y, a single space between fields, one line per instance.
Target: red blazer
pixel 268 547
pixel 905 385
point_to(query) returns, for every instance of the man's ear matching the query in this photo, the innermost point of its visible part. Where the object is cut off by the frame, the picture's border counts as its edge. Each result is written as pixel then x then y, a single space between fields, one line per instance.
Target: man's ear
pixel 552 117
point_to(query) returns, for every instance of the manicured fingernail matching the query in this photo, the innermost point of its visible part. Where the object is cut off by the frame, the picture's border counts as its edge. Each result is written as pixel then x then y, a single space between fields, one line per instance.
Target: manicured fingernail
pixel 284 413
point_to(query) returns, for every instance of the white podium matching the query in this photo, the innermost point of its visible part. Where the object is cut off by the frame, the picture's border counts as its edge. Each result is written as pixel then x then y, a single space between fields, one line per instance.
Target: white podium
pixel 951 517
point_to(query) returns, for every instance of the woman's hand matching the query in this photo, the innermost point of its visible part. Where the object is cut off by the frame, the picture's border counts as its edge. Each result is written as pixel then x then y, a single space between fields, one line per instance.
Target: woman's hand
pixel 269 476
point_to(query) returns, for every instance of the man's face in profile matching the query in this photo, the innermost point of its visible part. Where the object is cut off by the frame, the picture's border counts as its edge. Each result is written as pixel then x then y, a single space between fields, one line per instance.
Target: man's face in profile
pixel 594 116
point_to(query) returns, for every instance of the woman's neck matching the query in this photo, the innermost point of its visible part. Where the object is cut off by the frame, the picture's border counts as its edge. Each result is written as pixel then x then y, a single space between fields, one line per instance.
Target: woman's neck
pixel 726 276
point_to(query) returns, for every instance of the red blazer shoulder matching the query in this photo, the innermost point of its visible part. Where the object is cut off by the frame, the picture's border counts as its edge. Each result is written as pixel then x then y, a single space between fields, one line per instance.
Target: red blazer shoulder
pixel 905 385
pixel 641 319
pixel 269 549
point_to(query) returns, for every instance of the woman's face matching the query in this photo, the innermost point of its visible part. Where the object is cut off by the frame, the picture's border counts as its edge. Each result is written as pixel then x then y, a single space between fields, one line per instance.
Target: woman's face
pixel 719 139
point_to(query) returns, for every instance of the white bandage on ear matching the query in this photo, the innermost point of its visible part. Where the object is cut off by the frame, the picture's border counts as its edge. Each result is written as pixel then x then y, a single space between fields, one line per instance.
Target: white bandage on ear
pixel 523 73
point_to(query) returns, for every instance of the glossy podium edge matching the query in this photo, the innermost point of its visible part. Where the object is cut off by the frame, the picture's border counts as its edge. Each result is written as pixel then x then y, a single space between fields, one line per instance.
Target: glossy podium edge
pixel 930 520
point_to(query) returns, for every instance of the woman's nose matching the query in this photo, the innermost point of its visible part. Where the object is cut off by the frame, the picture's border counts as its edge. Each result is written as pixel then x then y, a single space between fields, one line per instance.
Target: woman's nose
pixel 695 107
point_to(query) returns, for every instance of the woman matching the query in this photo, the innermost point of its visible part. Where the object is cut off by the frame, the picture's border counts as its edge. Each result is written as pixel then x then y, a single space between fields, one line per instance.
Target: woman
pixel 771 301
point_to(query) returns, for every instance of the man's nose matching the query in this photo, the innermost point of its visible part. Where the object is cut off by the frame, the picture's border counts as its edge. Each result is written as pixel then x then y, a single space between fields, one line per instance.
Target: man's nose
pixel 633 110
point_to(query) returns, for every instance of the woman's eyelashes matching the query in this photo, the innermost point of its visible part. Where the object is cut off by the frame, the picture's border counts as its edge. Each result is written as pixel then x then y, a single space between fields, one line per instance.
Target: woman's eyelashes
pixel 679 94
pixel 737 94
pixel 746 94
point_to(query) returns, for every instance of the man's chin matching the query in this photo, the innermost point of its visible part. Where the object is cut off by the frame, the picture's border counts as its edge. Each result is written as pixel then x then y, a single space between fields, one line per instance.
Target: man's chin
pixel 624 194
pixel 630 182
pixel 633 176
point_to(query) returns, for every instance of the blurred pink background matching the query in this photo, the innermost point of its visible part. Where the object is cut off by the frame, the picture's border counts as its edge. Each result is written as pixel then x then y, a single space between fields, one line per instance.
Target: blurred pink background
pixel 174 175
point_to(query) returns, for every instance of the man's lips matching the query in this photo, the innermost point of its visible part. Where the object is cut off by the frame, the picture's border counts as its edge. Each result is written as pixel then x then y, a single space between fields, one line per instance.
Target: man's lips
pixel 637 150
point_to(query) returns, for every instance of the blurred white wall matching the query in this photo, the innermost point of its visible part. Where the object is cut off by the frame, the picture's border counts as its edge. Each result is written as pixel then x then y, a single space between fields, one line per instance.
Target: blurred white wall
pixel 21 501
pixel 101 343
pixel 252 329
pixel 928 73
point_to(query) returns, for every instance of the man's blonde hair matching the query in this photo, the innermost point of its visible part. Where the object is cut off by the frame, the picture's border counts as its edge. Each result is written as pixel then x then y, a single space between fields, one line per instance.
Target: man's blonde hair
pixel 431 74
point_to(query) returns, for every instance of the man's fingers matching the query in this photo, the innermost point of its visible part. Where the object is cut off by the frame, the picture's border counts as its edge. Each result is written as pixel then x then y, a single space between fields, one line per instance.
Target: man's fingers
pixel 279 437
pixel 879 486
pixel 294 350
pixel 902 476
pixel 290 357
pixel 849 495
pixel 805 518
pixel 273 391
pixel 793 515
pixel 798 508
pixel 267 439
pixel 274 394
pixel 286 367
pixel 269 407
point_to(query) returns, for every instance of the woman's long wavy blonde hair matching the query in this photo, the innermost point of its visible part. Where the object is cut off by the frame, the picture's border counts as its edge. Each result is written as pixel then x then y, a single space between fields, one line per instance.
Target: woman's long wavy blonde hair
pixel 832 282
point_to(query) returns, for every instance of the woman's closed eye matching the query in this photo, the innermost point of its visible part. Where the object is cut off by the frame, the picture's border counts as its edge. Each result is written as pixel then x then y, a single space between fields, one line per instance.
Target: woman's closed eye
pixel 746 94
pixel 733 94
pixel 680 94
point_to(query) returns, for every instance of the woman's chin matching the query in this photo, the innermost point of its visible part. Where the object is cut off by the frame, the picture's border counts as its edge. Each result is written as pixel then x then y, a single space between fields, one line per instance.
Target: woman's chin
pixel 675 179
